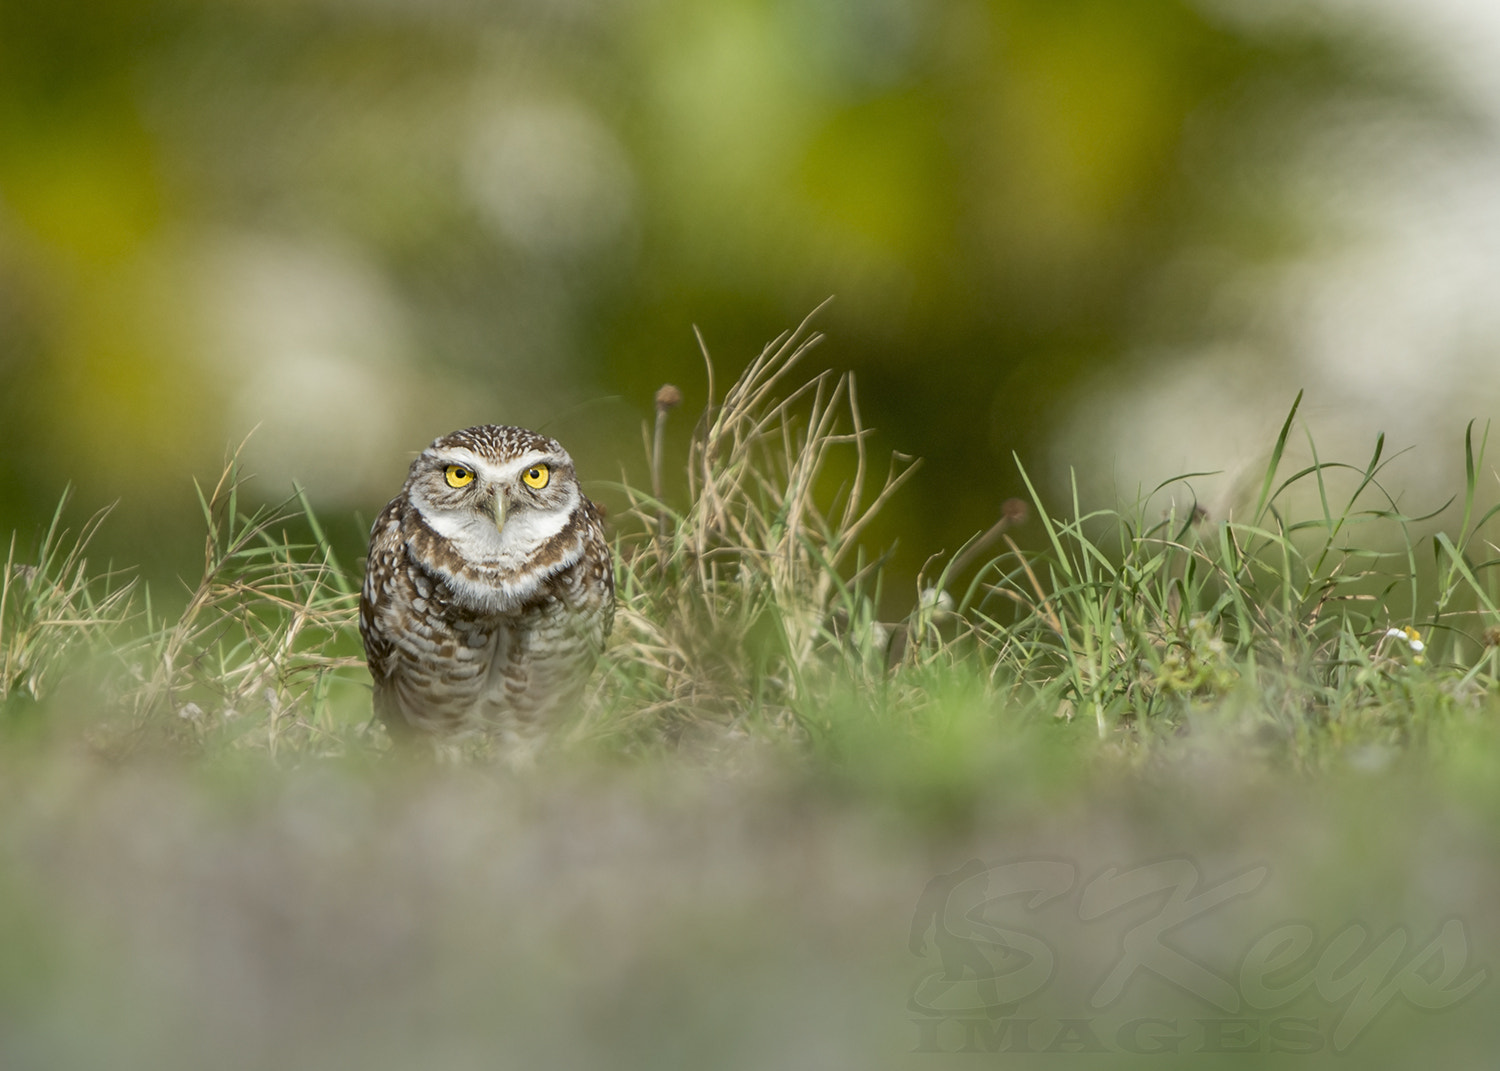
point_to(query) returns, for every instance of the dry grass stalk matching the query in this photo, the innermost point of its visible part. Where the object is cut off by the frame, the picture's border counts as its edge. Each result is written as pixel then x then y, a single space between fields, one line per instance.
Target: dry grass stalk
pixel 52 609
pixel 728 600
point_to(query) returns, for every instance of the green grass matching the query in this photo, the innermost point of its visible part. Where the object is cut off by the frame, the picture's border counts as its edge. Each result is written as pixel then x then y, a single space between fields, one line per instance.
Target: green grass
pixel 751 609
pixel 210 856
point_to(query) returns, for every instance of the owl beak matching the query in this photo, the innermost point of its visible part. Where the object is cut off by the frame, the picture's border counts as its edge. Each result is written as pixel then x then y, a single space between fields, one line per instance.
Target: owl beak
pixel 499 511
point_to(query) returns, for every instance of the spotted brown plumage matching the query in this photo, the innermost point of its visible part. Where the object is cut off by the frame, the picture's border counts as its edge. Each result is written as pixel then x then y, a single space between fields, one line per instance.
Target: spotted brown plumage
pixel 489 589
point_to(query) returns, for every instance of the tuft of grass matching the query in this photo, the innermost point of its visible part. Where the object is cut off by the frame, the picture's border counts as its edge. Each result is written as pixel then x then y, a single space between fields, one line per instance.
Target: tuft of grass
pixel 1309 633
pixel 735 605
pixel 263 647
pixel 268 633
pixel 53 610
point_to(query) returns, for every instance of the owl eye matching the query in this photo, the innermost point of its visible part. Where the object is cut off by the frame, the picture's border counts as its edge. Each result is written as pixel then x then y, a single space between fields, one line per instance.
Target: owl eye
pixel 537 476
pixel 458 476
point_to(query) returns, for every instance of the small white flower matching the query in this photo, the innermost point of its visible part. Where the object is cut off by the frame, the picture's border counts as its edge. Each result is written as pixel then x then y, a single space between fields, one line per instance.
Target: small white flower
pixel 1409 636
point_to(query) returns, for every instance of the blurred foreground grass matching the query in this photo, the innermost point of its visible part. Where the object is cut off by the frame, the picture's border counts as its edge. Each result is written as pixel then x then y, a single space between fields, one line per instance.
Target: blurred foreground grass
pixel 753 846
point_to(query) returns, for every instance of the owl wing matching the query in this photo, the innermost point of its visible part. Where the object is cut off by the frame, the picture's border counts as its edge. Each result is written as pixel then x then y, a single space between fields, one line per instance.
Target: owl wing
pixel 601 567
pixel 384 571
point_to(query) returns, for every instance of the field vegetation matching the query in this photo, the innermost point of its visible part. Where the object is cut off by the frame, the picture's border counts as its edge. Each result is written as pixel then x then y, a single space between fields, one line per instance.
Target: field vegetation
pixel 211 856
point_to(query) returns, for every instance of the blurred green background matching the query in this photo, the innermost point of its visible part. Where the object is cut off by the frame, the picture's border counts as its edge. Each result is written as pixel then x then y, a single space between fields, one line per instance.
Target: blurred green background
pixel 358 224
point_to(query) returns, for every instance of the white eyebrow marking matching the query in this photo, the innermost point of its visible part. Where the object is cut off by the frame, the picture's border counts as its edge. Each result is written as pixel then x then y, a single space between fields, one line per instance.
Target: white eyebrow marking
pixel 460 456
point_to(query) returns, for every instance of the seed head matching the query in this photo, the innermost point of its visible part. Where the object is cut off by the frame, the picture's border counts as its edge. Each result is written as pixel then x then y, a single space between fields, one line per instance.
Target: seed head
pixel 668 397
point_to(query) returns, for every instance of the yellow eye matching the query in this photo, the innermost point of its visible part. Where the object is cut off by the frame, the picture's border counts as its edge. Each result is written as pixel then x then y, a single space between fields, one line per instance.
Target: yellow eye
pixel 458 476
pixel 537 476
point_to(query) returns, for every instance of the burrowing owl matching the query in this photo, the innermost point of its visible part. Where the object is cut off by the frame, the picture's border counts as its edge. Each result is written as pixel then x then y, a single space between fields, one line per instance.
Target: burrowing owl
pixel 489 589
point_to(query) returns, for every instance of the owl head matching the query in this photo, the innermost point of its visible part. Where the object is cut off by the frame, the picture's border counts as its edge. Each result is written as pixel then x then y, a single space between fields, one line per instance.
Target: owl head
pixel 499 496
